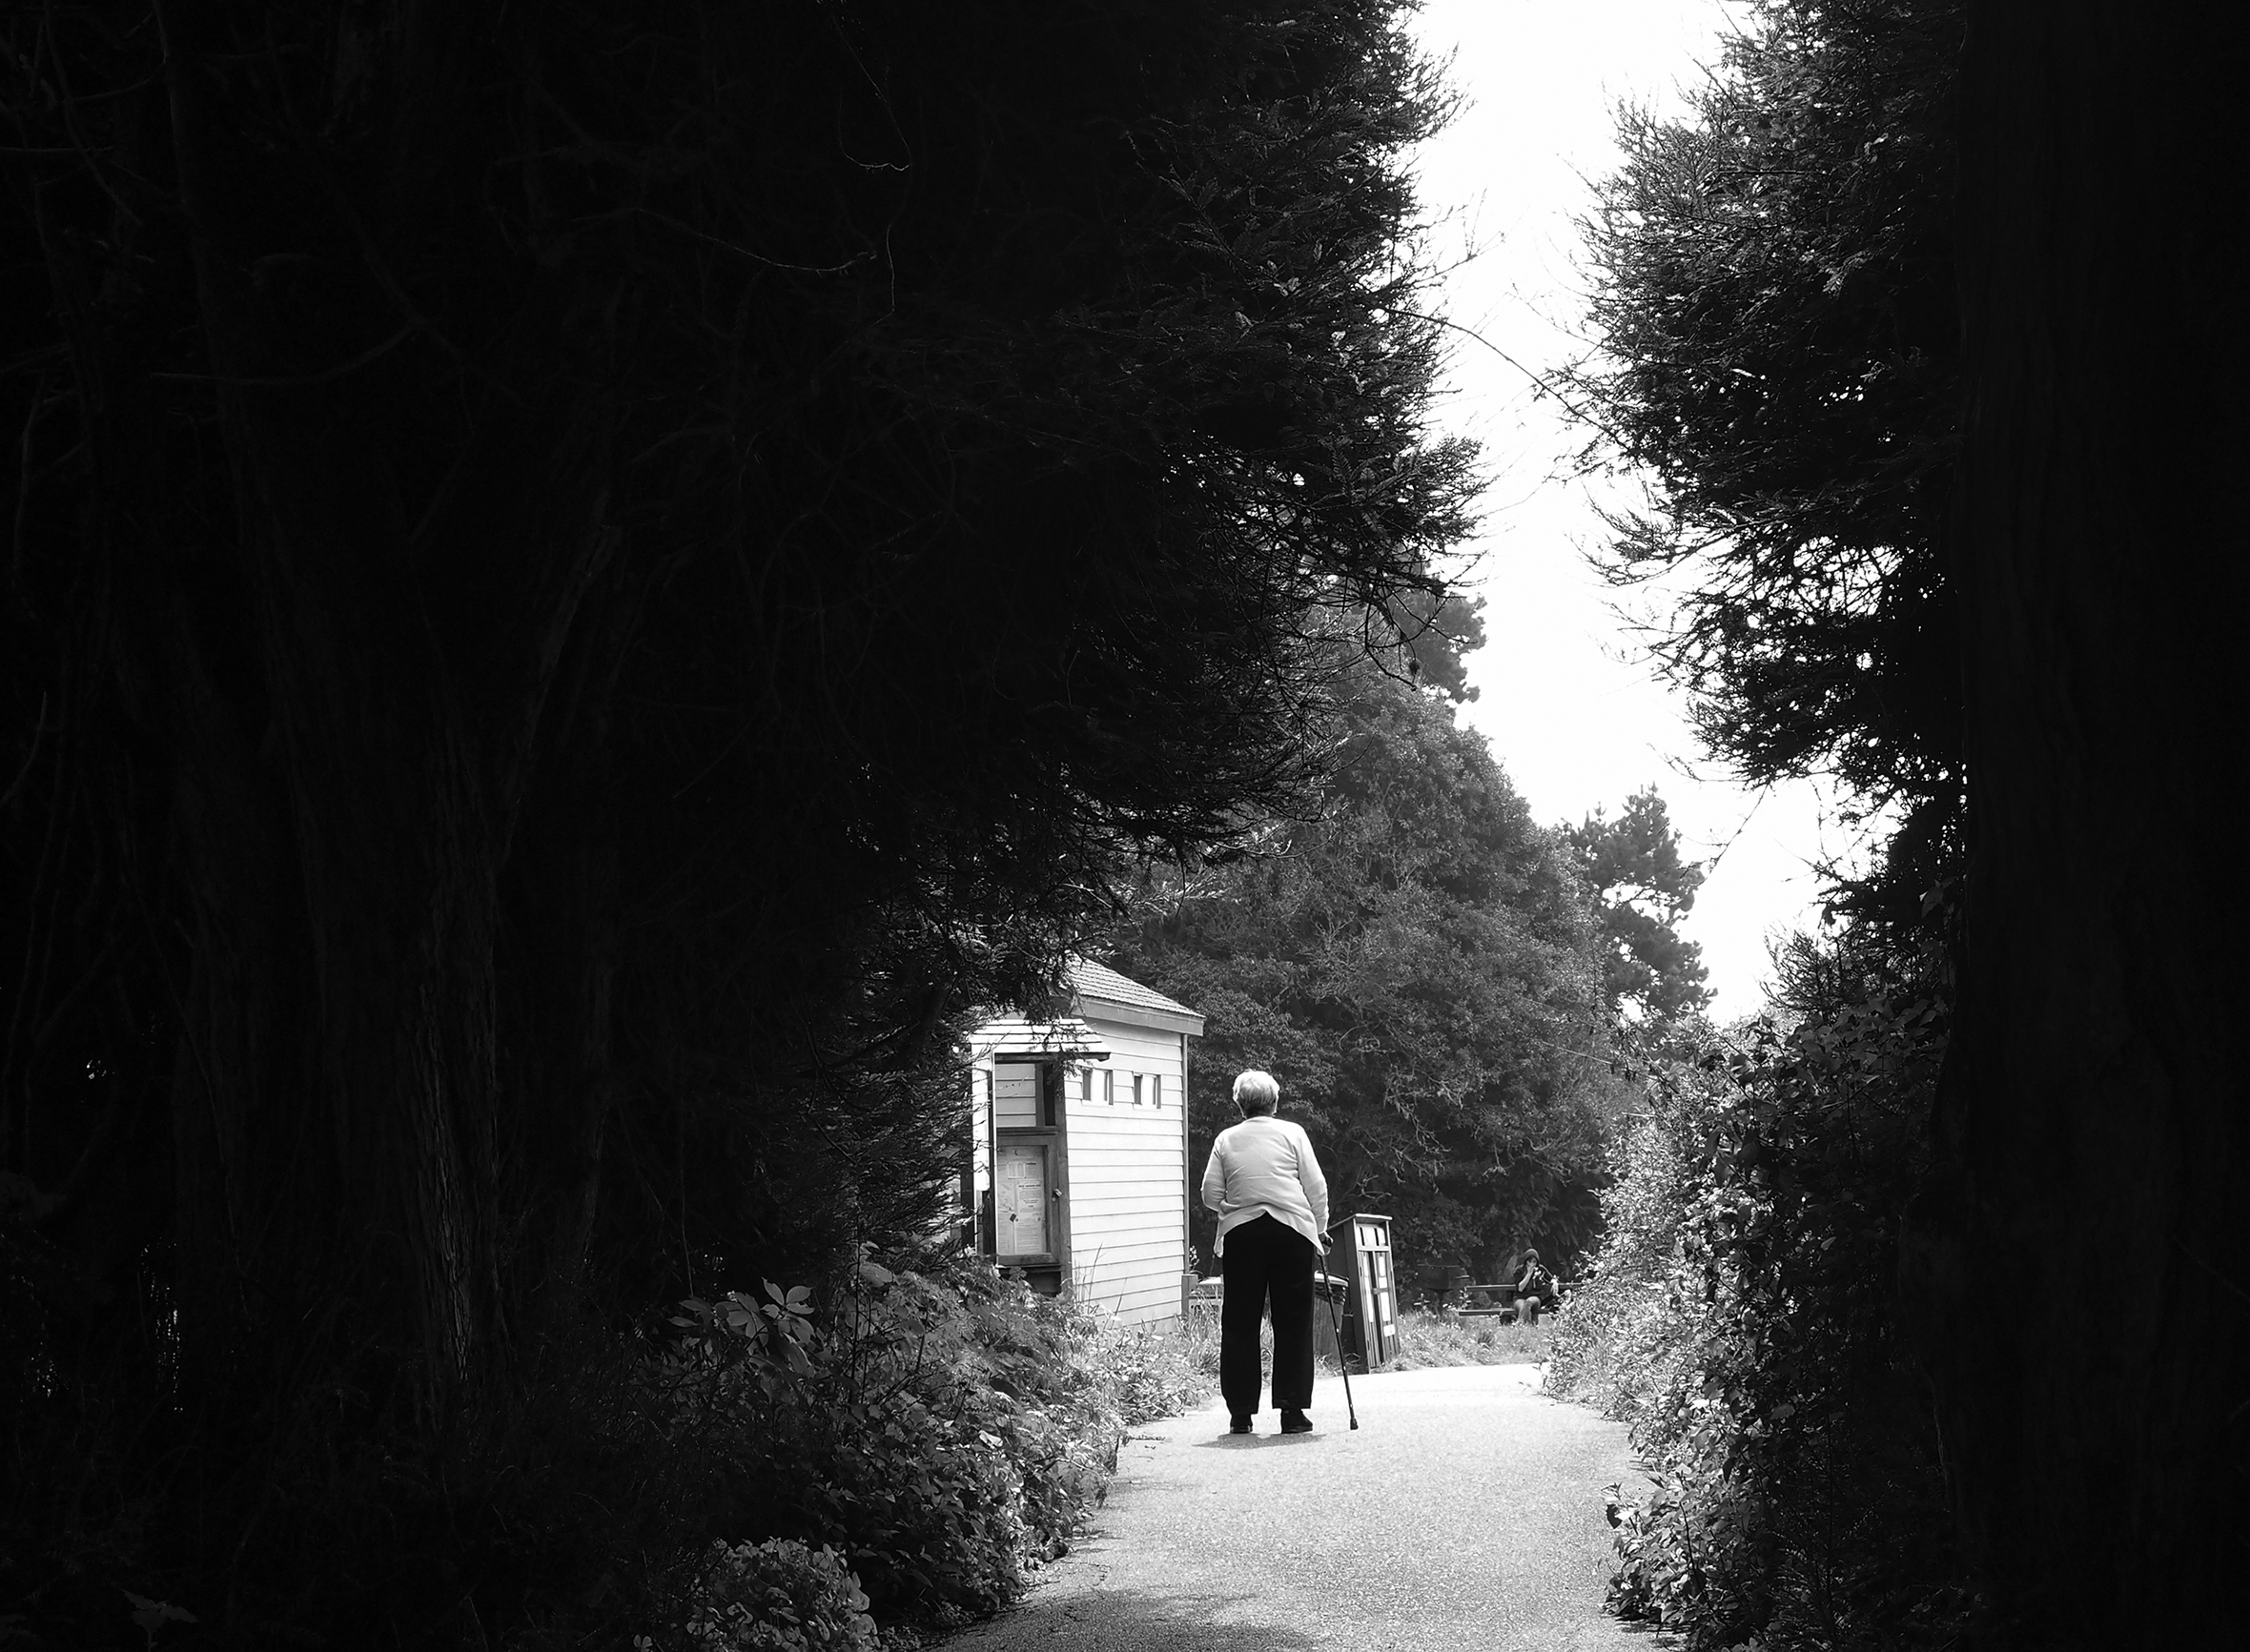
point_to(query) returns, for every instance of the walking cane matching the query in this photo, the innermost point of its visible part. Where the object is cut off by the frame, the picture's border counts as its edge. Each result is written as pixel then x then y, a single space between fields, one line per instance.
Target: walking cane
pixel 1334 1324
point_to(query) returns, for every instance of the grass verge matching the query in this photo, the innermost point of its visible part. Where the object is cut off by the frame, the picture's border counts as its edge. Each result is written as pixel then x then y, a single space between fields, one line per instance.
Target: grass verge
pixel 1429 1340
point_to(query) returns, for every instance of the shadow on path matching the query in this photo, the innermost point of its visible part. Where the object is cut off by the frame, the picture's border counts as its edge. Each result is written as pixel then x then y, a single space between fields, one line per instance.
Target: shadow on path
pixel 1255 1442
pixel 1107 1622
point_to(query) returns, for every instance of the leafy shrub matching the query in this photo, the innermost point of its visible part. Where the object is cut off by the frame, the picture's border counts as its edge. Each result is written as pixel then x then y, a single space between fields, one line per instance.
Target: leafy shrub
pixel 941 1430
pixel 1149 1371
pixel 1615 1340
pixel 1743 1314
pixel 780 1596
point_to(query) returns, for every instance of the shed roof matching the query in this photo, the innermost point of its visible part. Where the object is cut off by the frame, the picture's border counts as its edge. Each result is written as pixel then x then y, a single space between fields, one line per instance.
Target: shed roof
pixel 1103 983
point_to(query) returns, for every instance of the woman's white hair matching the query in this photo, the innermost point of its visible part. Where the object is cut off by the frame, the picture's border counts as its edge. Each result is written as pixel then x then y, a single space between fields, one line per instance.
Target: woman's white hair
pixel 1256 1092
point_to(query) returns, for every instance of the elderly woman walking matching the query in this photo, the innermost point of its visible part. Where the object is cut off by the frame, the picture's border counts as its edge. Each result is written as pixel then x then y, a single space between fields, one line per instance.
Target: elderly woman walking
pixel 1273 1217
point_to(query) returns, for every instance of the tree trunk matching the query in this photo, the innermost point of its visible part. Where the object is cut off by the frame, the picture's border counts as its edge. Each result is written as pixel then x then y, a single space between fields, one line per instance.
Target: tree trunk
pixel 2083 1245
pixel 561 964
pixel 416 533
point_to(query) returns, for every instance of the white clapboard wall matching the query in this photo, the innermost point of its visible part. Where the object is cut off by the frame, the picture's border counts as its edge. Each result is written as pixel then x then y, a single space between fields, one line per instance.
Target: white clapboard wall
pixel 1128 1173
pixel 1124 1137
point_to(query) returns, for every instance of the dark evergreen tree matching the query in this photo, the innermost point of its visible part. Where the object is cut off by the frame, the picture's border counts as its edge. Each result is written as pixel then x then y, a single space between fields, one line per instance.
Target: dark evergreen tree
pixel 585 583
pixel 1777 298
pixel 2093 1163
pixel 1943 439
pixel 1775 301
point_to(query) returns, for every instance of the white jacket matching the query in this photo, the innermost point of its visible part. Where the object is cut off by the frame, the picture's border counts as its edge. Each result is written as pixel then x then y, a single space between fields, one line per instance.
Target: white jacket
pixel 1264 1166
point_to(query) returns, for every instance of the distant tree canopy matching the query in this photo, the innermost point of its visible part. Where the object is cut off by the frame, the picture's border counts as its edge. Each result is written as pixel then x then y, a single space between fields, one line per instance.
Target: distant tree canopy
pixel 1775 305
pixel 1419 968
pixel 1642 889
pixel 584 584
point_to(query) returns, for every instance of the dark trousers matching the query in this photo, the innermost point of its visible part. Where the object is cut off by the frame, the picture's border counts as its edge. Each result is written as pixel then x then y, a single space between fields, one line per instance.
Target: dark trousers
pixel 1266 1262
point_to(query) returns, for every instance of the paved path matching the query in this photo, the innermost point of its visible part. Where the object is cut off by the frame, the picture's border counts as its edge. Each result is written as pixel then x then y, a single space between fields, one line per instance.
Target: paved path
pixel 1464 1514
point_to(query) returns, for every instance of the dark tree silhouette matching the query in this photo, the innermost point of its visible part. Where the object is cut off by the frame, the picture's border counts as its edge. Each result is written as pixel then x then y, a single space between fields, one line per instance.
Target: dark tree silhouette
pixel 2084 1246
pixel 1932 357
pixel 585 584
pixel 1775 299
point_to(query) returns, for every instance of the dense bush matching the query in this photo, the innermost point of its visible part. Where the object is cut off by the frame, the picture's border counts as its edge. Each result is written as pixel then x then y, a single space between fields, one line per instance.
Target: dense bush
pixel 942 1431
pixel 939 1429
pixel 1744 1316
pixel 779 1594
pixel 1614 1339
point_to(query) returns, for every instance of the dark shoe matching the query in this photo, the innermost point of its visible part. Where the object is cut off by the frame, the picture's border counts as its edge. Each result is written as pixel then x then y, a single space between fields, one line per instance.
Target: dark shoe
pixel 1295 1422
pixel 1239 1425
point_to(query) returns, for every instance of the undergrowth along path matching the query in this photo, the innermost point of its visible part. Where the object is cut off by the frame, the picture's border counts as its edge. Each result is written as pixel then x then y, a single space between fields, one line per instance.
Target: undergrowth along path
pixel 1466 1512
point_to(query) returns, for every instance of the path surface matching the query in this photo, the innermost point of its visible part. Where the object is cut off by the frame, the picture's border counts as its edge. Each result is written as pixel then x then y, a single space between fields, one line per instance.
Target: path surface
pixel 1464 1514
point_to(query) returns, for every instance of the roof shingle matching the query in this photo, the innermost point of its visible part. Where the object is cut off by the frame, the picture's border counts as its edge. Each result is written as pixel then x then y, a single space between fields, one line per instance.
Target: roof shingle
pixel 1098 981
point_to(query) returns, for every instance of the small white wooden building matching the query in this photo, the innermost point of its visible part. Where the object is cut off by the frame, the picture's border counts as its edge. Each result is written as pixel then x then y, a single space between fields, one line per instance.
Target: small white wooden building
pixel 1078 1168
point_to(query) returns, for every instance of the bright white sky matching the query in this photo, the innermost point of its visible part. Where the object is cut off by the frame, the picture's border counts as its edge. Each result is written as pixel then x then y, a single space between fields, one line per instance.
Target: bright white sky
pixel 1568 700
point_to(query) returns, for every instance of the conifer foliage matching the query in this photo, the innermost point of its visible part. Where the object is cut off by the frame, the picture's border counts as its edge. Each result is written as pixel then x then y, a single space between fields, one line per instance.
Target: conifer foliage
pixel 1642 891
pixel 1774 302
pixel 1775 296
